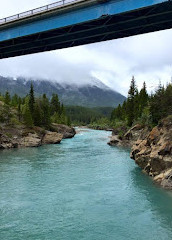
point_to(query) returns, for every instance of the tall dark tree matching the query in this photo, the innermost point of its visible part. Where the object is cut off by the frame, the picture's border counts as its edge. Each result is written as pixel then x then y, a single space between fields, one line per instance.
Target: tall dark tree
pixel 7 98
pixel 37 116
pixel 143 98
pixel 131 102
pixel 54 104
pixel 19 110
pixel 14 100
pixel 160 103
pixel 31 100
pixel 27 116
pixel 45 107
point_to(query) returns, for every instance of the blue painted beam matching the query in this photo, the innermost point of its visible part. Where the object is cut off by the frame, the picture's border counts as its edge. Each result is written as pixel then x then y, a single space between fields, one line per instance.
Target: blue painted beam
pixel 91 22
pixel 85 14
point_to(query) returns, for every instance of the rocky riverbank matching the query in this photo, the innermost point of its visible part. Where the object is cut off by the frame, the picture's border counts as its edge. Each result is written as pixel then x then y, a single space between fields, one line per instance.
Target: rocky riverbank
pixel 21 136
pixel 151 150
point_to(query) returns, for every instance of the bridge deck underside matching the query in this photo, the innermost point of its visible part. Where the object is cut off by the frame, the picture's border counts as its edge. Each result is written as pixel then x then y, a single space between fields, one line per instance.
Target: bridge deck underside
pixel 150 19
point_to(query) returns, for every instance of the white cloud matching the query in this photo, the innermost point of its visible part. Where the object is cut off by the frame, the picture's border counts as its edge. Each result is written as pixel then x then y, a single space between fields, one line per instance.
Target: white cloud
pixel 148 57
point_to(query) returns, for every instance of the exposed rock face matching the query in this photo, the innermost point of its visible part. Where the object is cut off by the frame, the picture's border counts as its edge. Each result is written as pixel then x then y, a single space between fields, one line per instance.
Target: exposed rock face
pixel 165 179
pixel 151 150
pixel 31 140
pixel 52 138
pixel 115 141
pixel 154 153
pixel 6 142
pixel 131 136
pixel 66 131
pixel 20 136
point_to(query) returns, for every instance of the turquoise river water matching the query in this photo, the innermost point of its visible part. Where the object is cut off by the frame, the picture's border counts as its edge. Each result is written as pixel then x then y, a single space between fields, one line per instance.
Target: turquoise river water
pixel 82 189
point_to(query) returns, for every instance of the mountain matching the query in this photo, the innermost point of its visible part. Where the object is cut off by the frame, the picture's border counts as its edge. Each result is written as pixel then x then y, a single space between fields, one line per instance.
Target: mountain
pixel 94 94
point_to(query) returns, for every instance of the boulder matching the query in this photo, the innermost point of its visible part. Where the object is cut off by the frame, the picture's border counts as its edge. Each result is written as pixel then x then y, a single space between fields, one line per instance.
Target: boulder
pixel 66 131
pixel 114 141
pixel 166 181
pixel 31 140
pixel 52 138
pixel 7 142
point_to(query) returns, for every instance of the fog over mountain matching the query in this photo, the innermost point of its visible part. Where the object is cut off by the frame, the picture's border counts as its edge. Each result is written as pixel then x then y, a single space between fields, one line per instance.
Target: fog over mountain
pixel 92 94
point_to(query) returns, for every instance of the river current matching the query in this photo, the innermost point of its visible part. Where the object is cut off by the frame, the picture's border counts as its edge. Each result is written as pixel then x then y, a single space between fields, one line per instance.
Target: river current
pixel 82 189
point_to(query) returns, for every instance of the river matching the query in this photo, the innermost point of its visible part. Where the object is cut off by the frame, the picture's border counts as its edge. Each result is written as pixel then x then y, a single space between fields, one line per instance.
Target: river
pixel 82 189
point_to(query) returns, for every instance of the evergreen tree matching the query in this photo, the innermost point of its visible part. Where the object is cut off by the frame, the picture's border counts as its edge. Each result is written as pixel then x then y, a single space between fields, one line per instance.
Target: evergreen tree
pixel 68 121
pixel 45 111
pixel 168 99
pixel 37 115
pixel 160 103
pixel 130 102
pixel 19 111
pixel 7 98
pixel 136 105
pixel 143 99
pixel 56 118
pixel 27 116
pixel 54 104
pixel 14 100
pixel 31 100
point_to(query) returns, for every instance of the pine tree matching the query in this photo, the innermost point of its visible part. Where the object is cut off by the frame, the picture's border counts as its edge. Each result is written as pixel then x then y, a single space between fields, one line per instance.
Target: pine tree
pixel 156 104
pixel 68 121
pixel 143 99
pixel 45 107
pixel 161 102
pixel 14 100
pixel 136 105
pixel 27 116
pixel 7 98
pixel 130 102
pixel 19 111
pixel 31 100
pixel 56 118
pixel 37 115
pixel 168 99
pixel 54 104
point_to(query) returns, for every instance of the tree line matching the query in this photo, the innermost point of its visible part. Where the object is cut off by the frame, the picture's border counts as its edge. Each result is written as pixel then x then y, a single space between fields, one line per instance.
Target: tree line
pixel 144 108
pixel 33 111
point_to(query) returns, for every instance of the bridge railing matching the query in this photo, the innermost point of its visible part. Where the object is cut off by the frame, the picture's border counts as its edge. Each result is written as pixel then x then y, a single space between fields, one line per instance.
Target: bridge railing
pixel 49 7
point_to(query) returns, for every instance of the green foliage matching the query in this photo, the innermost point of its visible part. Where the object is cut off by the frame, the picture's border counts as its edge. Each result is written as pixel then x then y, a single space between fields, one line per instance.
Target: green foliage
pixel 131 102
pixel 14 121
pixel 102 123
pixel 27 116
pixel 32 111
pixel 1 98
pixel 55 118
pixel 37 114
pixel 161 103
pixel 19 109
pixel 5 114
pixel 45 107
pixel 142 108
pixel 31 100
pixel 14 100
pixel 55 104
pixel 9 135
pixel 7 98
pixel 83 116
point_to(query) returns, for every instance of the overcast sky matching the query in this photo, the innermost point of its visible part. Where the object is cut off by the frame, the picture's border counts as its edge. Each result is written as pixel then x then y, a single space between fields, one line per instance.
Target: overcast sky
pixel 148 57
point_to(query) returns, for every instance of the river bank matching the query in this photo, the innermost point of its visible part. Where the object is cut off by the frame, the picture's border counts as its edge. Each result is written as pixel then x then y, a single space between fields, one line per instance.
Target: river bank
pixel 21 136
pixel 150 149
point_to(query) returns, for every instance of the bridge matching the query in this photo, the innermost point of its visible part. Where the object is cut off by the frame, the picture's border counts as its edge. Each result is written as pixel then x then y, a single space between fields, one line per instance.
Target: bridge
pixel 69 23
